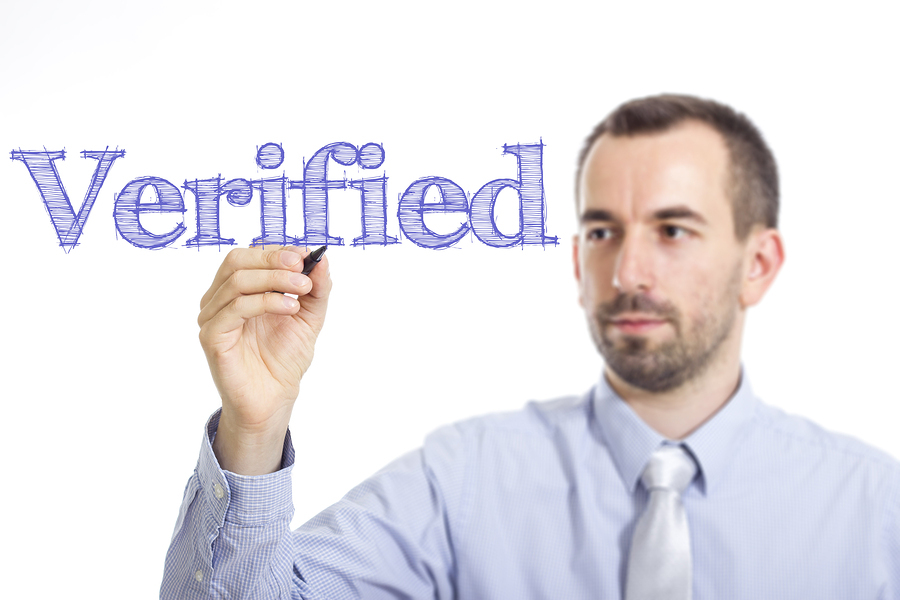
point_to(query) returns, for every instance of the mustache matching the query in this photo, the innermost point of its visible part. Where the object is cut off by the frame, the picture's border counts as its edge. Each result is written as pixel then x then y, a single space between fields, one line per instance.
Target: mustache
pixel 624 303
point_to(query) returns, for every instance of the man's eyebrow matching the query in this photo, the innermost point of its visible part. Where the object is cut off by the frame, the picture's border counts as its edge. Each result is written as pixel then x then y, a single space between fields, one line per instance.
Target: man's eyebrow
pixel 679 212
pixel 596 214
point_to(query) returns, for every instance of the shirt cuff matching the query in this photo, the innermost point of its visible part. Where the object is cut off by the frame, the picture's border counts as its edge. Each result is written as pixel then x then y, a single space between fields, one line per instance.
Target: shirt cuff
pixel 247 500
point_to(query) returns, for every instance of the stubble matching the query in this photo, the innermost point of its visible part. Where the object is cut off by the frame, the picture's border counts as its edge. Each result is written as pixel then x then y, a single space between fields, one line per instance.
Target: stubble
pixel 668 365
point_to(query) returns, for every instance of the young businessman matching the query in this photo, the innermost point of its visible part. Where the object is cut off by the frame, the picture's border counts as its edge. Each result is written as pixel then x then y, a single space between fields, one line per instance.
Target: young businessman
pixel 668 480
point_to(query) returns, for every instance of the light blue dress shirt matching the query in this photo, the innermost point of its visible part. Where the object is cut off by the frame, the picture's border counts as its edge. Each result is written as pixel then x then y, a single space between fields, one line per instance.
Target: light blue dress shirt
pixel 541 503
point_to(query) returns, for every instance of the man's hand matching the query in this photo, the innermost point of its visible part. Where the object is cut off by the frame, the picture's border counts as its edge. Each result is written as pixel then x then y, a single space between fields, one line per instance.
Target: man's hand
pixel 258 346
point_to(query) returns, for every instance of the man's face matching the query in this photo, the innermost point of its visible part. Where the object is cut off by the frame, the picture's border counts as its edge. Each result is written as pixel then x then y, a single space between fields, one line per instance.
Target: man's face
pixel 659 267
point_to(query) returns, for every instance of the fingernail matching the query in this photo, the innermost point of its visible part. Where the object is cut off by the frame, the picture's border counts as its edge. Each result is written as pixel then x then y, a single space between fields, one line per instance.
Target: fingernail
pixel 289 302
pixel 290 258
pixel 299 279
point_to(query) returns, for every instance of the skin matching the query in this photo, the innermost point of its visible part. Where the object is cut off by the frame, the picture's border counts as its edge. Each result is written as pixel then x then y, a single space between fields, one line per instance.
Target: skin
pixel 659 268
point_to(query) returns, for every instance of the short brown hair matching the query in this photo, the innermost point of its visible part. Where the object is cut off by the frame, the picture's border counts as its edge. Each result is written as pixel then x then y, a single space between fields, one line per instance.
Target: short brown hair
pixel 754 174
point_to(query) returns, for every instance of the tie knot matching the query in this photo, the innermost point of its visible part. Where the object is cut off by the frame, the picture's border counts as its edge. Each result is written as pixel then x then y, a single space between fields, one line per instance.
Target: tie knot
pixel 670 467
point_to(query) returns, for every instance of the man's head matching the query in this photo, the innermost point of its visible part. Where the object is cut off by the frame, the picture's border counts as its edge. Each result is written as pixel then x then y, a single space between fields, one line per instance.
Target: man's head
pixel 677 206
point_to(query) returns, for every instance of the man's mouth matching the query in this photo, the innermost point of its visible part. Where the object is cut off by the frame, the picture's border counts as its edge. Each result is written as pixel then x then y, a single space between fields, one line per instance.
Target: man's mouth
pixel 636 324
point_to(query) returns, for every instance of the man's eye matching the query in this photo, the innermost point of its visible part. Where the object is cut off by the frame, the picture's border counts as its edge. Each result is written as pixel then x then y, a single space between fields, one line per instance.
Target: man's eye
pixel 600 233
pixel 674 232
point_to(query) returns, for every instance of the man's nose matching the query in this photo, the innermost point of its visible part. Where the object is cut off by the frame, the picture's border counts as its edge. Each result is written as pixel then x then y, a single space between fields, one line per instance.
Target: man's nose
pixel 634 268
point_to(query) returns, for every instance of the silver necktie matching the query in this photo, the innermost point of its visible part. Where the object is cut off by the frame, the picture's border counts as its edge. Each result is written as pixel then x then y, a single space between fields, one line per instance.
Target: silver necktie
pixel 659 565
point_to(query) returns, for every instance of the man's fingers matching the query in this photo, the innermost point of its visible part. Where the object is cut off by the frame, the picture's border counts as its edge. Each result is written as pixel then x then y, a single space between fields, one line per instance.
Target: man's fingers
pixel 248 282
pixel 265 258
pixel 243 308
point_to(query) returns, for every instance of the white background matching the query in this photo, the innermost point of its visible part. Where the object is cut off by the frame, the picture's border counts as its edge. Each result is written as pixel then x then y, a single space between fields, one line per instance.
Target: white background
pixel 105 387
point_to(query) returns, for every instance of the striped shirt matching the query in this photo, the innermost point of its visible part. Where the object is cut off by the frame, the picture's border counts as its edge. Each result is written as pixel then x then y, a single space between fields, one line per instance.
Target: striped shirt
pixel 542 502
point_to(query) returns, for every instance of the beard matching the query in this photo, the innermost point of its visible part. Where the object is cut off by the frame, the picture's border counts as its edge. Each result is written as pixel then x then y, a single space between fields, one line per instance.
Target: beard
pixel 668 365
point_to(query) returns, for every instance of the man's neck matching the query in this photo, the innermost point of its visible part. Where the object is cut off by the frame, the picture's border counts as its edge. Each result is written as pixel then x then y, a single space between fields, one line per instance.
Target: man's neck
pixel 677 413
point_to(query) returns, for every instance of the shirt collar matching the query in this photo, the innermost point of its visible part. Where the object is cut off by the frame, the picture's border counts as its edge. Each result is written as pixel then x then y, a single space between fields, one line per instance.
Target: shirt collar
pixel 713 444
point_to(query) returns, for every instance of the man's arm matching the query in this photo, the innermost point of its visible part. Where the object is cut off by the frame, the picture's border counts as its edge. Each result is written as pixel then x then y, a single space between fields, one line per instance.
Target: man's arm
pixel 258 346
pixel 386 538
pixel 232 537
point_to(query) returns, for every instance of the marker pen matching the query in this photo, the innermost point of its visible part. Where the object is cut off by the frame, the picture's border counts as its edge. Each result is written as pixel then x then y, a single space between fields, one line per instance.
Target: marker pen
pixel 312 259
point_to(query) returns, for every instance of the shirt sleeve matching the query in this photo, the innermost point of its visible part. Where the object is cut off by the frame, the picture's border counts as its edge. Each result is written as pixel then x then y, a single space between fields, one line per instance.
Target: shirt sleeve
pixel 387 538
pixel 892 541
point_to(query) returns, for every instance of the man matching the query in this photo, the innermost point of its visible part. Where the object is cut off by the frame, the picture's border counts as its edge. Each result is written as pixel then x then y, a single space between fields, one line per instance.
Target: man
pixel 668 480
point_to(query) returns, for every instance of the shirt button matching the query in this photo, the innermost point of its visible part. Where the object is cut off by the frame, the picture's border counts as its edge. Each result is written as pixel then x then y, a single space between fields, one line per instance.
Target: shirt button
pixel 220 493
pixel 198 575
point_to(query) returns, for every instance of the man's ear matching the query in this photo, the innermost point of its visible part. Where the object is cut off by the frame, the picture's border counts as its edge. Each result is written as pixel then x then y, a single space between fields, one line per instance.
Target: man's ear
pixel 765 255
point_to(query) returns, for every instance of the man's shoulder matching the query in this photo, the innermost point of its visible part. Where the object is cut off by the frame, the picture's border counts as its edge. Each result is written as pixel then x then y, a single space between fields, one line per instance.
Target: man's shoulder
pixel 805 436
pixel 537 419
pixel 524 447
